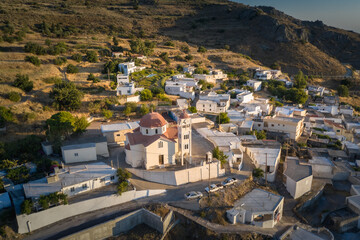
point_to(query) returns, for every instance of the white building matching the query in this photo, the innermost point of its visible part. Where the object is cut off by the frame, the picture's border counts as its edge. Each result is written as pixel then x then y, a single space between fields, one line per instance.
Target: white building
pixel 346 110
pixel 294 127
pixel 127 89
pixel 180 89
pixel 259 208
pixel 256 85
pixel 85 149
pixel 245 96
pixel 322 167
pixel 189 69
pixel 72 180
pixel 158 144
pixel 212 76
pixel 213 102
pixel 289 111
pixel 129 67
pixel 264 155
pixel 298 177
pixel 263 74
pixel 122 79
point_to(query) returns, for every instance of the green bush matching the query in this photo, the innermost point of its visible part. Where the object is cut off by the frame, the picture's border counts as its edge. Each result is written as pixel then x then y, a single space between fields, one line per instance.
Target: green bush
pixel 72 69
pixel 185 49
pixel 91 56
pixel 169 44
pixel 192 109
pixel 34 48
pixel 222 118
pixel 189 57
pixel 66 96
pixel 107 113
pixel 23 82
pixel 146 95
pixel 343 91
pixel 202 49
pixel 26 207
pixel 77 57
pixel 33 59
pixel 14 96
pixel 60 60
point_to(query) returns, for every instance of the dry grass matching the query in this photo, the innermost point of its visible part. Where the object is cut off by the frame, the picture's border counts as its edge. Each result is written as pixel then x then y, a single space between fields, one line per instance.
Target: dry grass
pixel 215 209
pixel 158 209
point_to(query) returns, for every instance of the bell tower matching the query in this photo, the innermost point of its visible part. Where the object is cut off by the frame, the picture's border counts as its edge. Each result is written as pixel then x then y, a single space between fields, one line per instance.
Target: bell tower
pixel 184 136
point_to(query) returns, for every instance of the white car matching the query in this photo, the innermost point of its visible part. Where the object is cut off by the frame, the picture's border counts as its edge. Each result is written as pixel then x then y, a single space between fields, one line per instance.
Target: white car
pixel 229 182
pixel 193 195
pixel 214 188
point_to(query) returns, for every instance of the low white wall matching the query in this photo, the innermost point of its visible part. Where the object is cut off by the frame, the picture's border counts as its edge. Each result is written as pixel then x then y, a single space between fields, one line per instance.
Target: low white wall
pixel 133 98
pixel 180 177
pixel 28 223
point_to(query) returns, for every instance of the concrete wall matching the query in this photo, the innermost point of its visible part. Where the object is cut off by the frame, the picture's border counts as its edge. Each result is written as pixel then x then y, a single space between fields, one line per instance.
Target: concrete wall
pixel 83 155
pixel 180 177
pixel 123 224
pixel 28 223
pixel 102 149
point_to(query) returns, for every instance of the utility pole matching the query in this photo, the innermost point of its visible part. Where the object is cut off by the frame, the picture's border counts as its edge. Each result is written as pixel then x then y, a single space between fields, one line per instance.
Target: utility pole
pixel 266 169
pixel 209 181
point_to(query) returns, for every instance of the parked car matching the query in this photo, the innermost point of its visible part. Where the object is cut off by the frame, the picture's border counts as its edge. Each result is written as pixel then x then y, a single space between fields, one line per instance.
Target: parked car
pixel 229 182
pixel 193 195
pixel 214 188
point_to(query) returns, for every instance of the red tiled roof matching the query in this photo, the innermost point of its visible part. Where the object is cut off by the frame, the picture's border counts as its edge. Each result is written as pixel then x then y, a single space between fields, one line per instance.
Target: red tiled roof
pixel 136 137
pixel 151 120
pixel 183 115
pixel 171 133
pixel 334 124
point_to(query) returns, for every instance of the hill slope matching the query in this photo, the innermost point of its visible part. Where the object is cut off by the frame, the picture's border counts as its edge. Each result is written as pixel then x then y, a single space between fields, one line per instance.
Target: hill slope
pixel 263 33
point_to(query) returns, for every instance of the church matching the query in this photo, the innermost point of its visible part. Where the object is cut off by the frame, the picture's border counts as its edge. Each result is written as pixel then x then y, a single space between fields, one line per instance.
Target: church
pixel 157 143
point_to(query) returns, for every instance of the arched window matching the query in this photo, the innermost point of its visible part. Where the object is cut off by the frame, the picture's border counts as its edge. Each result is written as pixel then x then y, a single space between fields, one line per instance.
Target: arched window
pixel 161 144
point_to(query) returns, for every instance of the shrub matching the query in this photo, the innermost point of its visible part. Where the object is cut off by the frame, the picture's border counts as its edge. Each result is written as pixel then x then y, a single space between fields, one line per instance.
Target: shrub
pixel 91 56
pixel 343 91
pixel 23 82
pixel 227 47
pixel 192 109
pixel 33 59
pixel 34 48
pixel 202 49
pixel 77 57
pixel 222 118
pixel 72 69
pixel 144 110
pixel 189 57
pixel 60 60
pixel 59 48
pixel 107 113
pixel 26 207
pixel 146 95
pixel 179 58
pixel 14 96
pixel 185 49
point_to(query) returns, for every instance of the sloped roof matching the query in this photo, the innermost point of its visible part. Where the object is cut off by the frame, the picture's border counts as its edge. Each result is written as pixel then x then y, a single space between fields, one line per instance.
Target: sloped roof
pixel 137 137
pixel 153 119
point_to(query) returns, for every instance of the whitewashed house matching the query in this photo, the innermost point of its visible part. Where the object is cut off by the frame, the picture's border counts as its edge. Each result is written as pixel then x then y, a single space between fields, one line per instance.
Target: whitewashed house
pixel 189 69
pixel 127 89
pixel 213 102
pixel 256 85
pixel 346 110
pixel 263 74
pixel 122 79
pixel 72 180
pixel 298 177
pixel 129 67
pixel 259 208
pixel 245 96
pixel 179 89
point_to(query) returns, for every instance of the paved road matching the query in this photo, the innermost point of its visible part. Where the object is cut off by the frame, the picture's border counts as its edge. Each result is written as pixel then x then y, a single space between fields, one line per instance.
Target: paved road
pixel 174 196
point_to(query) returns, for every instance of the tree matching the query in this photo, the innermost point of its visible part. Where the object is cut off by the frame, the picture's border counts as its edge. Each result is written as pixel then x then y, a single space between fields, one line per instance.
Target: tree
pixel 300 80
pixel 14 96
pixel 26 207
pixel 219 155
pixel 60 125
pixel 144 110
pixel 223 118
pixel 123 176
pixel 77 57
pixel 202 49
pixel 227 47
pixel 107 113
pixel 66 96
pixel 5 116
pixel 60 60
pixel 189 57
pixel 33 59
pixel 192 109
pixel 91 56
pixel 258 173
pixel 146 95
pixel 260 134
pixel 127 111
pixel 72 69
pixel 115 41
pixel 80 125
pixel 185 49
pixel 34 48
pixel 44 202
pixel 23 82
pixel 343 91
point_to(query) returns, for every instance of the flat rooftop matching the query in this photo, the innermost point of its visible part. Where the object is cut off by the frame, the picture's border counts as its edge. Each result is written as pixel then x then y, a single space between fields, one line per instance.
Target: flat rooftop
pixel 68 177
pixel 301 234
pixel 321 161
pixel 78 146
pixel 259 200
pixel 119 126
pixel 295 170
pixel 285 119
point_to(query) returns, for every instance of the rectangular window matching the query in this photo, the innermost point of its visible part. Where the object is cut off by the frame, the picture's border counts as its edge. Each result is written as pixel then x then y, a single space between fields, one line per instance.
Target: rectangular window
pixel 161 144
pixel 72 189
pixel 76 154
pixel 112 177
pixel 186 146
pixel 272 125
pixel 84 185
pixel 186 136
pixel 147 131
pixel 118 135
pixel 156 131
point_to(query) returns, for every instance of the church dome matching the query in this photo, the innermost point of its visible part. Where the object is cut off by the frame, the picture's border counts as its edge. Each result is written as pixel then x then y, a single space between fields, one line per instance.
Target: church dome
pixel 152 120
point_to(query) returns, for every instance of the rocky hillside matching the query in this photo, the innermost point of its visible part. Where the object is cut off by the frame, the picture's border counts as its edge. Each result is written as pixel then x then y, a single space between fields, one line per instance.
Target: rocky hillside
pixel 263 33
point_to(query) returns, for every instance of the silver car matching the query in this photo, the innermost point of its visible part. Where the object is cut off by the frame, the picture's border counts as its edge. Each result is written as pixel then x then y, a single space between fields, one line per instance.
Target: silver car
pixel 193 195
pixel 214 188
pixel 229 182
